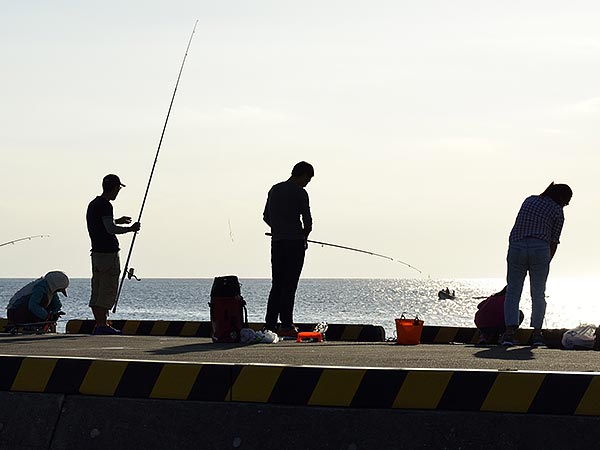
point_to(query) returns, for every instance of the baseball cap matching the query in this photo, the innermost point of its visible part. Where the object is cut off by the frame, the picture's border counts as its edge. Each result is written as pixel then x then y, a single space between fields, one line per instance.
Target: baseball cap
pixel 111 181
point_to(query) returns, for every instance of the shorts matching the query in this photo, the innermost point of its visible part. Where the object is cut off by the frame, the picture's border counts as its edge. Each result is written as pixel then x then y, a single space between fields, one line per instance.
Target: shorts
pixel 106 268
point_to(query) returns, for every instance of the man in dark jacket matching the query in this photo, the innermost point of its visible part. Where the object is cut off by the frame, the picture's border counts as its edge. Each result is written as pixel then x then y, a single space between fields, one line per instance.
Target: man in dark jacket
pixel 287 212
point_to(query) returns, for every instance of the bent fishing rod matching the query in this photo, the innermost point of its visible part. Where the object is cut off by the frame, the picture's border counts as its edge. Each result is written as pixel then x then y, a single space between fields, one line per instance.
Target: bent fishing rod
pixel 360 251
pixel 129 272
pixel 26 238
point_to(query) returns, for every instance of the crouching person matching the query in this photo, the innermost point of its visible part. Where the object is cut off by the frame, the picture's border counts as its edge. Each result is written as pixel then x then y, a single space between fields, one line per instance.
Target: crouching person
pixel 37 303
pixel 489 318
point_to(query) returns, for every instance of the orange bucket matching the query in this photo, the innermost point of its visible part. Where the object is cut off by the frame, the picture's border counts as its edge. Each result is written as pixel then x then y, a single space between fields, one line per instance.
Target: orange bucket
pixel 409 330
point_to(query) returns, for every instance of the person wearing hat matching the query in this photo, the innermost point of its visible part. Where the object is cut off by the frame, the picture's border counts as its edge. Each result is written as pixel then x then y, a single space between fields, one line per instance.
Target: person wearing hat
pixel 38 301
pixel 106 266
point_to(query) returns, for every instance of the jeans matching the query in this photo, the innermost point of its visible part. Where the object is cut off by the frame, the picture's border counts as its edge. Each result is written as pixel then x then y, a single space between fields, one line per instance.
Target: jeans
pixel 527 255
pixel 287 259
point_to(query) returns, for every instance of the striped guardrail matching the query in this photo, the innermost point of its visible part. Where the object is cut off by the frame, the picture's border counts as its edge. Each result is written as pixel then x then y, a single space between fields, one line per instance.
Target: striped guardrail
pixel 423 389
pixel 335 332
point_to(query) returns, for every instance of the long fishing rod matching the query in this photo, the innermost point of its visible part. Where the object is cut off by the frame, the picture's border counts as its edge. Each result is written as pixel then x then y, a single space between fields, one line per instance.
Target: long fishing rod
pixel 26 238
pixel 129 272
pixel 360 251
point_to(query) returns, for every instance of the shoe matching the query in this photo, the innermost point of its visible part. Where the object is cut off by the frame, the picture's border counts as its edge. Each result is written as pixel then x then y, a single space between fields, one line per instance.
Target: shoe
pixel 288 332
pixel 508 340
pixel 537 340
pixel 483 340
pixel 105 330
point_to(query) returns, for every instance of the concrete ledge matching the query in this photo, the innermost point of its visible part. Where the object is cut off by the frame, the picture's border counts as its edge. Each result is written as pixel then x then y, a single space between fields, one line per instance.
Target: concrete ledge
pixel 97 423
pixel 350 387
pixel 27 421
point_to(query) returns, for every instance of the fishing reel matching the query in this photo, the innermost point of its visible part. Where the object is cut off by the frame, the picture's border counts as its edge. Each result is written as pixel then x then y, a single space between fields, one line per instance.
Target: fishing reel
pixel 130 274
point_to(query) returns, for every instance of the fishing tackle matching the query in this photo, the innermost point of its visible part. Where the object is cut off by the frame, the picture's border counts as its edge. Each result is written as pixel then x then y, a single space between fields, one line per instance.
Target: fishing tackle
pixel 126 271
pixel 360 251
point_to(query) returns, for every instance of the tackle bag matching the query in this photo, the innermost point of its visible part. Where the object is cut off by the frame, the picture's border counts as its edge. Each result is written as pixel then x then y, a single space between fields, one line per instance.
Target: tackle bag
pixel 579 338
pixel 408 331
pixel 228 314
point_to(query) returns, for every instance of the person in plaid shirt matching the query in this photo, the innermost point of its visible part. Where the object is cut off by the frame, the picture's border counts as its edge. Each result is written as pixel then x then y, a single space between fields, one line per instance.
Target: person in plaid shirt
pixel 532 244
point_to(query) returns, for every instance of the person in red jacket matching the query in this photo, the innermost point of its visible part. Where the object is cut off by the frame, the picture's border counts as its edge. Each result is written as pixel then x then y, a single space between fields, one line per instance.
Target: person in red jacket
pixel 489 318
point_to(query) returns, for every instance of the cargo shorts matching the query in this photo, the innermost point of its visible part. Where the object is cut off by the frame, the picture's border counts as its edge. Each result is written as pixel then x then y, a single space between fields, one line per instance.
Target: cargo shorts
pixel 106 268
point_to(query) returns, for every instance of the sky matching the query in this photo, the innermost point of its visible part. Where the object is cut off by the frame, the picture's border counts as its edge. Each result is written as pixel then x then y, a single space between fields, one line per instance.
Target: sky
pixel 428 123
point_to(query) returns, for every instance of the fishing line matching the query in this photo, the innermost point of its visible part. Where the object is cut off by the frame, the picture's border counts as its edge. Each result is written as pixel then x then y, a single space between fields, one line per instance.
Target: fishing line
pixel 129 272
pixel 26 238
pixel 360 251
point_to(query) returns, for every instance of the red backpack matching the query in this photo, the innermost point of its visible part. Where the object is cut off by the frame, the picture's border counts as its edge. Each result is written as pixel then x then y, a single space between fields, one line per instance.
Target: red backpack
pixel 228 312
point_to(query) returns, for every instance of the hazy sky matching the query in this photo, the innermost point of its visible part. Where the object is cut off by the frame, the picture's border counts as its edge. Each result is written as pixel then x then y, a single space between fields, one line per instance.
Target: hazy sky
pixel 427 123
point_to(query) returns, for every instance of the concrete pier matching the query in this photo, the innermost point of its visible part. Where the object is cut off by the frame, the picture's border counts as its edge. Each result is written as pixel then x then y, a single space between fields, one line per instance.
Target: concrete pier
pixel 157 392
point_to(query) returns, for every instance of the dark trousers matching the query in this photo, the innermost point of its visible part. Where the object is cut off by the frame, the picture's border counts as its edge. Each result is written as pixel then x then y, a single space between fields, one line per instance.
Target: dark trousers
pixel 22 315
pixel 287 259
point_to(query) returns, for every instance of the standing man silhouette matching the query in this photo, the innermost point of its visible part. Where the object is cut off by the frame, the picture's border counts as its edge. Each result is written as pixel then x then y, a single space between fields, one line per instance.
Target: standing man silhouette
pixel 106 266
pixel 287 212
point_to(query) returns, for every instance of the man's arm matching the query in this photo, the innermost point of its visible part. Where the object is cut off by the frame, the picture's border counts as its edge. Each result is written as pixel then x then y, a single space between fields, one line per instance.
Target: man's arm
pixel 306 216
pixel 112 228
pixel 35 301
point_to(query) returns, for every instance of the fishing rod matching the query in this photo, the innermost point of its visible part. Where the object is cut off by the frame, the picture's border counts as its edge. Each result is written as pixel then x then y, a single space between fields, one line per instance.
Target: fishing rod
pixel 26 238
pixel 360 251
pixel 129 272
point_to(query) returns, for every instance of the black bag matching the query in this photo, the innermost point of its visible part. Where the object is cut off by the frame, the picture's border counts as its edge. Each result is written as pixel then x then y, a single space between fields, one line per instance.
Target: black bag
pixel 228 314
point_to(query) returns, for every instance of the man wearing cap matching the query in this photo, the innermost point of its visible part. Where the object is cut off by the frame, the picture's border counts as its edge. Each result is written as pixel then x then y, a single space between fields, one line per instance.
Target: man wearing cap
pixel 106 267
pixel 37 302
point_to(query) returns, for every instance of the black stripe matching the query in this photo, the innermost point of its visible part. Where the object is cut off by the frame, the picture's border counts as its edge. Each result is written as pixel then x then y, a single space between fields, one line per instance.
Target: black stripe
pixel 145 327
pixel 378 388
pixel 465 335
pixel 334 332
pixel 204 330
pixel 467 391
pixel 174 328
pixel 212 384
pixel 371 333
pixel 295 385
pixel 139 379
pixel 429 333
pixel 560 394
pixel 67 376
pixel 9 367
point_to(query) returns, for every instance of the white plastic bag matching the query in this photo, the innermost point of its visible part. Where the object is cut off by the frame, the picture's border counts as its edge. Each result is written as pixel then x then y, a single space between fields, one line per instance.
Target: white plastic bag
pixel 579 338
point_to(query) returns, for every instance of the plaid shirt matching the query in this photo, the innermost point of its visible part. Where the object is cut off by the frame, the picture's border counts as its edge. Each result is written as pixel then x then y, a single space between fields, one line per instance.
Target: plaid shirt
pixel 539 217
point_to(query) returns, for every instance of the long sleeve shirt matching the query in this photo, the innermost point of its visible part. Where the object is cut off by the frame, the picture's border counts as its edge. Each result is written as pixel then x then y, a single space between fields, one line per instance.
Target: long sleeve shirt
pixel 287 212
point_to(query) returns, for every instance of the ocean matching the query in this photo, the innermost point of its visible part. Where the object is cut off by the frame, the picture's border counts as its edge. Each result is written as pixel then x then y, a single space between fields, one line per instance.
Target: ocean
pixel 571 301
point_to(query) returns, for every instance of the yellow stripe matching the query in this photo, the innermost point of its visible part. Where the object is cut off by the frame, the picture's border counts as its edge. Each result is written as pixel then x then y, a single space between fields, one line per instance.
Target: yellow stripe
pixel 130 327
pixel 513 392
pixel 74 326
pixel 190 329
pixel 351 333
pixel 336 387
pixel 590 403
pixel 159 328
pixel 255 384
pixel 523 335
pixel 103 377
pixel 422 390
pixel 176 381
pixel 34 374
pixel 445 335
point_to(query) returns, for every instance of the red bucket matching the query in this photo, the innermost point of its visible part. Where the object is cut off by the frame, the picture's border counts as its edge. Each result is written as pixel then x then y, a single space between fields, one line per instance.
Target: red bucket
pixel 409 330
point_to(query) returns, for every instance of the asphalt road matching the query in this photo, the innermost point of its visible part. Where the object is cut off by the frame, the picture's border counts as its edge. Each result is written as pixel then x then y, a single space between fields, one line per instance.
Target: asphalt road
pixel 348 354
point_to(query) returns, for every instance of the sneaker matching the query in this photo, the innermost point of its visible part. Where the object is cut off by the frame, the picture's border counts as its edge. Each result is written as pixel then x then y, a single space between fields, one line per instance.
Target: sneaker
pixel 105 330
pixel 508 340
pixel 483 340
pixel 288 332
pixel 537 340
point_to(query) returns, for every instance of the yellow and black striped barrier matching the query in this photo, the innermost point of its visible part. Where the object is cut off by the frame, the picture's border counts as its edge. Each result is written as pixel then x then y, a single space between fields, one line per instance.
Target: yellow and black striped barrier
pixel 422 389
pixel 335 332
pixel 446 335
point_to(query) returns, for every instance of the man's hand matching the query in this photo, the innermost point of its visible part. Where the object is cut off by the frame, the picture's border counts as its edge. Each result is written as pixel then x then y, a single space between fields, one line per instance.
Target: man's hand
pixel 135 227
pixel 123 220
